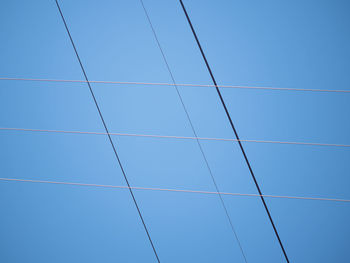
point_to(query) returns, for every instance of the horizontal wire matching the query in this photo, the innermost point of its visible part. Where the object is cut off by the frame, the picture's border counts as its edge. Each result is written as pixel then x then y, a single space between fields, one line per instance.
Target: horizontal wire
pixel 173 190
pixel 176 137
pixel 178 84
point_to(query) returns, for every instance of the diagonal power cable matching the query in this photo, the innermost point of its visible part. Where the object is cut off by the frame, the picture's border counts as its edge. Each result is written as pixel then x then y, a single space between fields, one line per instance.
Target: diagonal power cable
pixel 194 131
pixel 234 130
pixel 106 129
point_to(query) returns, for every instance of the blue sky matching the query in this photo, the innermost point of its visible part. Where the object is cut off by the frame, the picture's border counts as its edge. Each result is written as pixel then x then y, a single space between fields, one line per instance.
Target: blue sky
pixel 295 44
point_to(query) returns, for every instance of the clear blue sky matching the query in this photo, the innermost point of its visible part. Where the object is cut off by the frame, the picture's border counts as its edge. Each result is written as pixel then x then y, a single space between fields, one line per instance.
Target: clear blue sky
pixel 287 44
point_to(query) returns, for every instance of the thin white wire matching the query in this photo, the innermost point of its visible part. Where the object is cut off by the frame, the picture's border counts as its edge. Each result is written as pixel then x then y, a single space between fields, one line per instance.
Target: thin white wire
pixel 176 137
pixel 173 190
pixel 178 84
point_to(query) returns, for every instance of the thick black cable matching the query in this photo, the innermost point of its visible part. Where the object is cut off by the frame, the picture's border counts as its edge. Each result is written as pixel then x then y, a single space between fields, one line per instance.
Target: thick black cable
pixel 234 130
pixel 105 126
pixel 193 130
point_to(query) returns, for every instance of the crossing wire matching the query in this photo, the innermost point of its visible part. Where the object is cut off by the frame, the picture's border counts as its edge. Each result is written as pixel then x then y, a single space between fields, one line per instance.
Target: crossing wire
pixel 179 84
pixel 234 130
pixel 177 137
pixel 106 129
pixel 172 190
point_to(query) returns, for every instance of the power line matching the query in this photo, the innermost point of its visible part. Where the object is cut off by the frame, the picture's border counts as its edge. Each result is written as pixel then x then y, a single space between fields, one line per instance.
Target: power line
pixel 178 84
pixel 177 137
pixel 234 130
pixel 194 132
pixel 174 190
pixel 106 129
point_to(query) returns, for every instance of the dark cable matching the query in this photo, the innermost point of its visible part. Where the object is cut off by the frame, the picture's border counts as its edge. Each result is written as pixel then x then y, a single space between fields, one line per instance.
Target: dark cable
pixel 109 137
pixel 194 131
pixel 234 130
